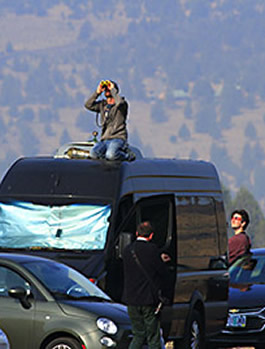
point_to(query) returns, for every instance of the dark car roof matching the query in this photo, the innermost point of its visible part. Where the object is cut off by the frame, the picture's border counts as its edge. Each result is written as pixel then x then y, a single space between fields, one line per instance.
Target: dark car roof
pixel 258 251
pixel 19 257
pixel 247 293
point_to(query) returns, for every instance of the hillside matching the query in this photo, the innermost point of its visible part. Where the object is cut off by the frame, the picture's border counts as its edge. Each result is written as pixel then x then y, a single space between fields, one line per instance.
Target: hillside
pixel 189 69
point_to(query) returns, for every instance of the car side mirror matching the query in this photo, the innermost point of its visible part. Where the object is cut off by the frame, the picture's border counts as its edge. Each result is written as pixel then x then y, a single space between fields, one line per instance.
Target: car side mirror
pixel 21 294
pixel 124 240
pixel 218 263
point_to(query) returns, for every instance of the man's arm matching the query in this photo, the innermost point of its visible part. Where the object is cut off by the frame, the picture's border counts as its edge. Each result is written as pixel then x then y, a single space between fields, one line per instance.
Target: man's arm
pixel 119 101
pixel 91 103
pixel 160 264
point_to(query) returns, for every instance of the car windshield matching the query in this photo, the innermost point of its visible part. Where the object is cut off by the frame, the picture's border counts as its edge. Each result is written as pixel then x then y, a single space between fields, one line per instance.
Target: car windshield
pixel 64 282
pixel 249 270
pixel 71 227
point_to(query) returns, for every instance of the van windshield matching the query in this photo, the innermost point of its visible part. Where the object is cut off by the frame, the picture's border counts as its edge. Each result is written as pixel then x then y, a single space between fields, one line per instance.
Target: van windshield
pixel 67 227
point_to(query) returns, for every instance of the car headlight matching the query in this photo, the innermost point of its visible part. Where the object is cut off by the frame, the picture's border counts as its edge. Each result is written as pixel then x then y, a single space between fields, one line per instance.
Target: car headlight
pixel 107 326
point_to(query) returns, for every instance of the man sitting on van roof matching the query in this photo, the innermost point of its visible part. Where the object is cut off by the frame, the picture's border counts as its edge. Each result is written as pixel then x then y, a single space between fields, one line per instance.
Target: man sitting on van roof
pixel 113 114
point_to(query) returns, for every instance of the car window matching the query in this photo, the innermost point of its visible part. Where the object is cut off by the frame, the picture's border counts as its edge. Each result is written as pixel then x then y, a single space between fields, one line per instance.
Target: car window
pixel 63 281
pixel 10 279
pixel 248 270
pixel 4 343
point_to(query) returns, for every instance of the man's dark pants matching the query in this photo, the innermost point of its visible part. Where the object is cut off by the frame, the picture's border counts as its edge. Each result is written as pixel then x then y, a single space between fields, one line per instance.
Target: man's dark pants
pixel 145 327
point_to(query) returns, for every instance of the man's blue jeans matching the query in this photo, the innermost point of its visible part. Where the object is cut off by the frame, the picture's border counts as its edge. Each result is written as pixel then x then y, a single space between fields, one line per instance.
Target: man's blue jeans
pixel 111 149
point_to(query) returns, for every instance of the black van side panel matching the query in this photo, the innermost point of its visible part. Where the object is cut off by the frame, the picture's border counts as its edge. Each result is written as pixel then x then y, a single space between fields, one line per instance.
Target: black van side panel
pixel 169 176
pixel 201 262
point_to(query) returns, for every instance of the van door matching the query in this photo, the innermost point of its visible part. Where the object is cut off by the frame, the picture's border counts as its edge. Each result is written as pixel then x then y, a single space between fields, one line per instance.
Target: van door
pixel 201 275
pixel 160 211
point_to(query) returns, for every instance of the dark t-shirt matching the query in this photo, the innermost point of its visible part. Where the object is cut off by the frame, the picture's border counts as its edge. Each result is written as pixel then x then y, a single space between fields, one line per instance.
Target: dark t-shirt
pixel 238 245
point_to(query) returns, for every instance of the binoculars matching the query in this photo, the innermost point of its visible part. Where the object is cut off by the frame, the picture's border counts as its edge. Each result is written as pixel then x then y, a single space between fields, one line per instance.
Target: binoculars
pixel 105 83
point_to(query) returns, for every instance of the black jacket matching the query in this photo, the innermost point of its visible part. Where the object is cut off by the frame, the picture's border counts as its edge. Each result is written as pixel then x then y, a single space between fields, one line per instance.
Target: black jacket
pixel 137 288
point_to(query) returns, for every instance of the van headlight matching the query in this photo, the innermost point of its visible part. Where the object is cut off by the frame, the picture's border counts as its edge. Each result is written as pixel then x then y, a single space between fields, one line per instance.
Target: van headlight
pixel 107 326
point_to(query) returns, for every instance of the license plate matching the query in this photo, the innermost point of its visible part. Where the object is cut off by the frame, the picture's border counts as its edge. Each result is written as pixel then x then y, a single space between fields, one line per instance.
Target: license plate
pixel 236 320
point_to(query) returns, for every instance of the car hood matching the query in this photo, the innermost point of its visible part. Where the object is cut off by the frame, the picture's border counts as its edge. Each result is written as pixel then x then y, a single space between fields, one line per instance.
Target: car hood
pixel 114 311
pixel 246 296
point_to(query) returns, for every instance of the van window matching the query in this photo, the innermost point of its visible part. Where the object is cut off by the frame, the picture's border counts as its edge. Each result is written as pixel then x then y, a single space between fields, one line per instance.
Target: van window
pixel 222 225
pixel 196 226
pixel 157 211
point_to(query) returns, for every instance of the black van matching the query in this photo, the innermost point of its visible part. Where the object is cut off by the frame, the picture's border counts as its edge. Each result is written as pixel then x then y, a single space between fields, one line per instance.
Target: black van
pixel 84 212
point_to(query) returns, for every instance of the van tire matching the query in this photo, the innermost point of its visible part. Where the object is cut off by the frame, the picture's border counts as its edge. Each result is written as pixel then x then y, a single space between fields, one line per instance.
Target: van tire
pixel 194 334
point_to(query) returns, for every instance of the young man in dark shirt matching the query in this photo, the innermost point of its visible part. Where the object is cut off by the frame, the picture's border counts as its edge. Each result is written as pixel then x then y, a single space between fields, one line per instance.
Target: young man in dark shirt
pixel 240 243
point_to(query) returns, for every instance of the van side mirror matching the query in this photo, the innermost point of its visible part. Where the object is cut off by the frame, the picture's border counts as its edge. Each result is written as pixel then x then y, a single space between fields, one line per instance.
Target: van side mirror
pixel 124 240
pixel 22 294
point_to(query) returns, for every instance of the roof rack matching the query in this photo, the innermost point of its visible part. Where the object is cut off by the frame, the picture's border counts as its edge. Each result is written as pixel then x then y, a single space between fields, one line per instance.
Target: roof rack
pixel 81 150
pixel 75 150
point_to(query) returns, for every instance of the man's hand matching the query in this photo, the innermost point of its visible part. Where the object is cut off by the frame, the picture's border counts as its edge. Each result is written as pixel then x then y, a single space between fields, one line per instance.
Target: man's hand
pixel 100 88
pixel 165 257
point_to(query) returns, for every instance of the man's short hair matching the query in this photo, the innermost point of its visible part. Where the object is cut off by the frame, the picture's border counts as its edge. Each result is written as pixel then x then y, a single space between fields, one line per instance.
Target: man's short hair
pixel 145 229
pixel 243 214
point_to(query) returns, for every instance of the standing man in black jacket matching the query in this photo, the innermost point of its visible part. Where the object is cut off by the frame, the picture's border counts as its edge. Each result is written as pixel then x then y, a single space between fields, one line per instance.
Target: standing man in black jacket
pixel 113 114
pixel 144 272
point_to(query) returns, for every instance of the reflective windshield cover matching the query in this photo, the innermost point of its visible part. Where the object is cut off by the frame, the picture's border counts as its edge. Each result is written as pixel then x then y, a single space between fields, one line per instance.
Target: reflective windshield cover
pixel 71 227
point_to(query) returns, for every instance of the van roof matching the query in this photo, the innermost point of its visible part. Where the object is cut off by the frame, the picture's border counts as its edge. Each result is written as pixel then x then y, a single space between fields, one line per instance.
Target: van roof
pixel 76 179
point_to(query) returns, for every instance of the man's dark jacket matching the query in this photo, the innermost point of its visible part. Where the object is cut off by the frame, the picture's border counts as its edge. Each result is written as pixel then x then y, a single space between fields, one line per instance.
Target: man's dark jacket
pixel 137 288
pixel 115 124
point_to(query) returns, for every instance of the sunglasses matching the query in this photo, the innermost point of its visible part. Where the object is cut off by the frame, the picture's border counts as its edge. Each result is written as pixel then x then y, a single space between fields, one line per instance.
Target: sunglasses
pixel 236 218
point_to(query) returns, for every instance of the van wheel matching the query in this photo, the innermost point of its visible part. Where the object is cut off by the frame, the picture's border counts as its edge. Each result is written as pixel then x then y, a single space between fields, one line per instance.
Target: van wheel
pixel 194 336
pixel 63 343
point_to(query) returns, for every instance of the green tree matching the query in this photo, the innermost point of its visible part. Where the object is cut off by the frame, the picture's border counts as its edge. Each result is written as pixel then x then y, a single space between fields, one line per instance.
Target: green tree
pixel 85 31
pixel 188 110
pixel 11 91
pixel 158 112
pixel 184 132
pixel 250 131
pixel 40 87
